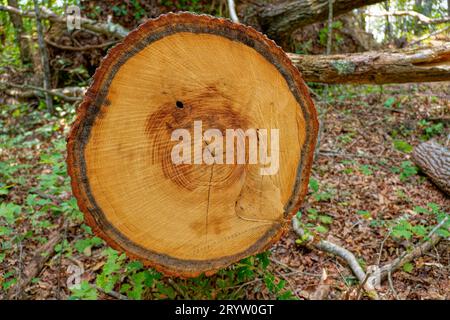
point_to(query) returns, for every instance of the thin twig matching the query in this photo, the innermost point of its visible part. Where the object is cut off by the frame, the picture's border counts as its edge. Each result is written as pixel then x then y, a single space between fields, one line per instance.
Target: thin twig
pixel 83 48
pixel 112 293
pixel 232 10
pixel 52 92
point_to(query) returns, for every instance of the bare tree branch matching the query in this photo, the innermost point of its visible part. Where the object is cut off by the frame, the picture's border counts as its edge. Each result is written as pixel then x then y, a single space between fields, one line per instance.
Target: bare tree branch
pixel 108 28
pixel 232 10
pixel 83 48
pixel 422 18
pixel 70 94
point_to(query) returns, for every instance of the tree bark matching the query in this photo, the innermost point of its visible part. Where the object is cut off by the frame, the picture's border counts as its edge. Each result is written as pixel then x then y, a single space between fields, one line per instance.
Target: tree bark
pixel 377 67
pixel 278 20
pixel 44 57
pixel 434 160
pixel 422 18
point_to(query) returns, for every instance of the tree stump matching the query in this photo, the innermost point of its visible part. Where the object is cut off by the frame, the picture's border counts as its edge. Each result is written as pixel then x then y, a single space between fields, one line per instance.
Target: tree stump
pixel 172 88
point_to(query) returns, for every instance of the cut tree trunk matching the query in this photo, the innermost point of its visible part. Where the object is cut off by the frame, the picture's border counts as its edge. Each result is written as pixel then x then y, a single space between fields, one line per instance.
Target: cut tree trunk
pixel 199 215
pixel 278 20
pixel 434 160
pixel 377 67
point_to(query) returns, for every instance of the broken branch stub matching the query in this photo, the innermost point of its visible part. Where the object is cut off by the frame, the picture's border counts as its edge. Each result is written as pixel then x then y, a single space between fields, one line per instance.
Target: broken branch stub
pixel 193 146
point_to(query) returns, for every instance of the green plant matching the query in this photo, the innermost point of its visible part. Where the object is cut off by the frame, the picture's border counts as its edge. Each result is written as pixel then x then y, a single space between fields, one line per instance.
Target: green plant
pixel 402 146
pixel 320 196
pixel 406 170
pixel 366 169
pixel 84 292
pixel 406 229
pixel 389 103
pixel 430 130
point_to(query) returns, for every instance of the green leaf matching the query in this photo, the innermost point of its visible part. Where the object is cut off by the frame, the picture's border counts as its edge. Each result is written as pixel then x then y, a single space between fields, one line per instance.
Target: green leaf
pixel 366 170
pixel 408 267
pixel 389 102
pixel 85 245
pixel 420 230
pixel 364 213
pixel 321 229
pixel 325 219
pixel 402 146
pixel 443 233
pixel 134 266
pixel 419 210
pixel 314 185
pixel 5 231
pixel 84 292
pixel 9 211
pixel 402 230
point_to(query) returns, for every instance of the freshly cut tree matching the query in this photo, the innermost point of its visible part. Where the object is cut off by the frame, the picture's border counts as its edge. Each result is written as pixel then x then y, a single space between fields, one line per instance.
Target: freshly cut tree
pixel 192 217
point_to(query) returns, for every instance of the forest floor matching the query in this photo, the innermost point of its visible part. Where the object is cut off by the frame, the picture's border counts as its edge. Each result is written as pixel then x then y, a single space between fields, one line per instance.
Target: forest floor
pixel 365 195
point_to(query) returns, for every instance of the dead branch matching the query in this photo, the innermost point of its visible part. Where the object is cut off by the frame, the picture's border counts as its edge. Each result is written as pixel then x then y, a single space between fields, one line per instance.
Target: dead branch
pixel 70 94
pixel 329 247
pixel 422 18
pixel 382 273
pixel 108 28
pixel 34 267
pixel 427 36
pixel 83 48
pixel 371 279
pixel 380 67
pixel 232 10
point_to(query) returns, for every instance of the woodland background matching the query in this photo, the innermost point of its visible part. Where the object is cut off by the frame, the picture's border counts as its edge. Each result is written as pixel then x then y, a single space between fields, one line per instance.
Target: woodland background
pixel 379 73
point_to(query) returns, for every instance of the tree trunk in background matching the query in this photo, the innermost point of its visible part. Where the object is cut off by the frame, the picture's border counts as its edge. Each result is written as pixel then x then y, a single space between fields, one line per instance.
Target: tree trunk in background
pixel 387 25
pixel 418 5
pixel 44 57
pixel 448 8
pixel 278 20
pixel 434 160
pixel 22 43
pixel 427 7
pixel 377 67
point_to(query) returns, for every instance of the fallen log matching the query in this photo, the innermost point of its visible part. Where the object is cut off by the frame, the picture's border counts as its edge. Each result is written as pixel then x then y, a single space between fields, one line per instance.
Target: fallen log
pixel 377 67
pixel 434 160
pixel 187 209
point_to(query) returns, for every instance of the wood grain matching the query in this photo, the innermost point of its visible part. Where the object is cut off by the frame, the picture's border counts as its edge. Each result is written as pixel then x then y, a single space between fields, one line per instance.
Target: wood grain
pixel 191 218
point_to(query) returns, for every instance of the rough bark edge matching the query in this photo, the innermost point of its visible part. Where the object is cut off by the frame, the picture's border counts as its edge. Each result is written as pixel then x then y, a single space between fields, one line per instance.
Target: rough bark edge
pixel 98 80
